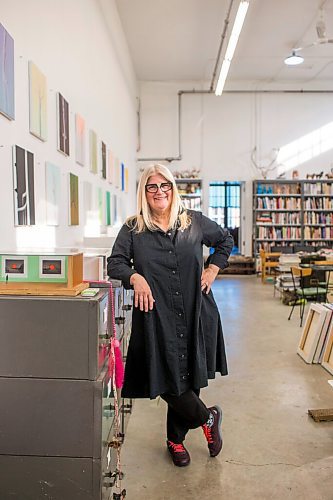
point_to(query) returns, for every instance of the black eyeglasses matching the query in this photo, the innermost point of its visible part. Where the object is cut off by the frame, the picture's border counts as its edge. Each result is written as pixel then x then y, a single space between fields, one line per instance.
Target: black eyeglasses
pixel 164 186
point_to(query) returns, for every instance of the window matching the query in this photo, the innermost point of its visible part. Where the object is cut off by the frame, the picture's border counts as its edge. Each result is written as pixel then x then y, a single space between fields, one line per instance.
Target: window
pixel 225 208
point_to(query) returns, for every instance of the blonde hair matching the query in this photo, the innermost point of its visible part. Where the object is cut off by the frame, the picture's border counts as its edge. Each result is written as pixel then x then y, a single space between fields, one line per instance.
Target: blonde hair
pixel 143 219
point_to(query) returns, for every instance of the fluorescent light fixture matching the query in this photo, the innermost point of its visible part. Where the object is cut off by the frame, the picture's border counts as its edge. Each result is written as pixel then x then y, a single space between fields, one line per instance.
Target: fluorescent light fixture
pixel 294 59
pixel 237 28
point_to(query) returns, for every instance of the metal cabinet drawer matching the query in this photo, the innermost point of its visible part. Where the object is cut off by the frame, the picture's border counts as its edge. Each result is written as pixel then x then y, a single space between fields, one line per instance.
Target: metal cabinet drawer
pixel 56 478
pixel 54 417
pixel 53 337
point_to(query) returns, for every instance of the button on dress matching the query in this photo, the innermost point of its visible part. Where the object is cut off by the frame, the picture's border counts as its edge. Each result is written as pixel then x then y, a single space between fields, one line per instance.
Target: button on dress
pixel 179 343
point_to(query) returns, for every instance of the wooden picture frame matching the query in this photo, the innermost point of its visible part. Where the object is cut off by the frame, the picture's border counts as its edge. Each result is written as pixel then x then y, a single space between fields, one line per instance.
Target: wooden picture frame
pixel 311 332
pixel 327 362
pixel 325 333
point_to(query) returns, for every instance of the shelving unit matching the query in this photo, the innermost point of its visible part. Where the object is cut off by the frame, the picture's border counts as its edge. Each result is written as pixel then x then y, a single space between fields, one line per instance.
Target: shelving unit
pixel 318 211
pixel 190 191
pixel 292 212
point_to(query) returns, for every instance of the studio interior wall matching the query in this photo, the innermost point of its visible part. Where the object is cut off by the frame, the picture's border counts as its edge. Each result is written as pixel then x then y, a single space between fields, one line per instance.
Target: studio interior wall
pixel 218 134
pixel 80 47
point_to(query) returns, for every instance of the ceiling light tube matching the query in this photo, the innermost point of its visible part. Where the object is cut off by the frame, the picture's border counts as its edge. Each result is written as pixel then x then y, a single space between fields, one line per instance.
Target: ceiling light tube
pixel 237 28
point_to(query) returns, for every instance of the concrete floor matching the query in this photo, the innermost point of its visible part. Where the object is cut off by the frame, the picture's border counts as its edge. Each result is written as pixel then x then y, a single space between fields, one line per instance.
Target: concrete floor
pixel 272 448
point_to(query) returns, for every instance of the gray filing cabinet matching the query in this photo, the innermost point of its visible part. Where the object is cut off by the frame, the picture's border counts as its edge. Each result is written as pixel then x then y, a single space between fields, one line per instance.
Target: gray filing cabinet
pixel 57 417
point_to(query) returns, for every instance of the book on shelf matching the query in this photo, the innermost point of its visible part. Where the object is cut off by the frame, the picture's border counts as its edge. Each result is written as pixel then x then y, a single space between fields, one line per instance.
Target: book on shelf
pixel 295 212
pixel 190 191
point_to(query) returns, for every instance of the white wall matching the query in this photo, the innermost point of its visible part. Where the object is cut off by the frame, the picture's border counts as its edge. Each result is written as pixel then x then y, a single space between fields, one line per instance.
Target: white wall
pixel 218 134
pixel 80 47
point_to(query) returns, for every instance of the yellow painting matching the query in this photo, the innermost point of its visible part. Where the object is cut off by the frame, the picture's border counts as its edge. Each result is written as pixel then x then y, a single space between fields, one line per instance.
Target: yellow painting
pixel 37 102
pixel 93 152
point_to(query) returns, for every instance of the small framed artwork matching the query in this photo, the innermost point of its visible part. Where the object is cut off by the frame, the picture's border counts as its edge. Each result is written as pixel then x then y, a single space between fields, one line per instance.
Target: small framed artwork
pixel 114 206
pixel 103 160
pixel 80 130
pixel 93 151
pixel 53 193
pixel 108 208
pixel 311 332
pixel 100 206
pixel 117 172
pixel 24 187
pixel 122 173
pixel 327 362
pixel 7 101
pixel 63 124
pixel 126 180
pixel 73 200
pixel 89 202
pixel 110 167
pixel 37 102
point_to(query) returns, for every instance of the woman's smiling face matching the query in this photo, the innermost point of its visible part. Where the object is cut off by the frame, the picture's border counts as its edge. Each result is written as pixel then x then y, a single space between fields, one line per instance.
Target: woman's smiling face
pixel 161 200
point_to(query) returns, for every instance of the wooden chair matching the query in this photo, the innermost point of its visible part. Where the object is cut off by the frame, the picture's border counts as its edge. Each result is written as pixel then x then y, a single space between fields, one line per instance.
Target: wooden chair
pixel 303 292
pixel 269 263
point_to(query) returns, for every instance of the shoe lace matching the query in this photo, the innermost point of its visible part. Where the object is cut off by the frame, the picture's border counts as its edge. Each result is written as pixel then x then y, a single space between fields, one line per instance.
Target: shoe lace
pixel 177 447
pixel 208 433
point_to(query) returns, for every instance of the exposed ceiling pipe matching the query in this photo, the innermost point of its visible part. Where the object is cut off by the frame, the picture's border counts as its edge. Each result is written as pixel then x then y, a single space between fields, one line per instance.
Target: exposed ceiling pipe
pixel 211 91
pixel 180 92
pixel 169 159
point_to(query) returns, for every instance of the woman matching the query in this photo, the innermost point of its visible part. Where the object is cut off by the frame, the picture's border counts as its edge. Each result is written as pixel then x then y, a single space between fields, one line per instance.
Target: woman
pixel 176 343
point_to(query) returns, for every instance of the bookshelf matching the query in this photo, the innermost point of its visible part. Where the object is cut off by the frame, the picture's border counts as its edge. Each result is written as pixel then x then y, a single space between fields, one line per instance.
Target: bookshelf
pixel 287 213
pixel 190 191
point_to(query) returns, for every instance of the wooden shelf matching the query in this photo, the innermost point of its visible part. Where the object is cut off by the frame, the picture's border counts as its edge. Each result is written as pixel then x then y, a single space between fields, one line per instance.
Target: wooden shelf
pixel 295 224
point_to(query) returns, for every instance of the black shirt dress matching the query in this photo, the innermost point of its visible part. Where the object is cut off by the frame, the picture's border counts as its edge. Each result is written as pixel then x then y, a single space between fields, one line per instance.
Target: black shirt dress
pixel 179 343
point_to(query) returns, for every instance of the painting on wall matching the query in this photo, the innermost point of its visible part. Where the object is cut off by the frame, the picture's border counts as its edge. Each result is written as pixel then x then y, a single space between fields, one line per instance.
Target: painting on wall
pixel 73 200
pixel 110 167
pixel 122 176
pixel 121 210
pixel 53 193
pixel 63 124
pixel 100 205
pixel 103 160
pixel 114 206
pixel 80 130
pixel 7 103
pixel 93 151
pixel 24 187
pixel 116 172
pixel 88 202
pixel 37 102
pixel 126 180
pixel 108 208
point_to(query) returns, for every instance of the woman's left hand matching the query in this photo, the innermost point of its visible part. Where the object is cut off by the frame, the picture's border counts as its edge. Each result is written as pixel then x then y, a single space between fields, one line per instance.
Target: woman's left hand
pixel 208 276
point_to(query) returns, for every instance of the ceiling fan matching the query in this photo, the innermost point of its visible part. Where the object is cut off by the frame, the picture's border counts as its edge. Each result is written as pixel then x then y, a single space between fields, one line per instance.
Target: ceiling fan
pixel 322 39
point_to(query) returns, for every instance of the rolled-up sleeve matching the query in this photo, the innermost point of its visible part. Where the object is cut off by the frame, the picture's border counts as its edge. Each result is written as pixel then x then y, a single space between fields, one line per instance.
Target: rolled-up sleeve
pixel 218 238
pixel 120 262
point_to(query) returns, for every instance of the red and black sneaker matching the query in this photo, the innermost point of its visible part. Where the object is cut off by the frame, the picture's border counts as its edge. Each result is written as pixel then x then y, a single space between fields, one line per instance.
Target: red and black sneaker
pixel 179 454
pixel 213 432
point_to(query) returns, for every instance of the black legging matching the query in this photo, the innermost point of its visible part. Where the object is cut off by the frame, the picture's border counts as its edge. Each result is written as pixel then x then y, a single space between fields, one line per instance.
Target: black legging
pixel 185 412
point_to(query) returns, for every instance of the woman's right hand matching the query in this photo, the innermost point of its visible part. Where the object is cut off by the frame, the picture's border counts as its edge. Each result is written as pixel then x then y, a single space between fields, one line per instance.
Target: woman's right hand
pixel 143 298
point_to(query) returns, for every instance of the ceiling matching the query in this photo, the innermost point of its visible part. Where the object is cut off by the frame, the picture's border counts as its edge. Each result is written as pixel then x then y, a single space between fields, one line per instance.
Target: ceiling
pixel 179 39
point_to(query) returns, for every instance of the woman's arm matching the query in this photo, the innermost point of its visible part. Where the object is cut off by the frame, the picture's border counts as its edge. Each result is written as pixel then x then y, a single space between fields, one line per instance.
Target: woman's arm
pixel 120 266
pixel 221 240
pixel 120 262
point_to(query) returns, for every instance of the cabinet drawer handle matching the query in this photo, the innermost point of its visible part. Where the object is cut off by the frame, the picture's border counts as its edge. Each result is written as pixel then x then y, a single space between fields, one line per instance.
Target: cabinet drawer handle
pixel 120 320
